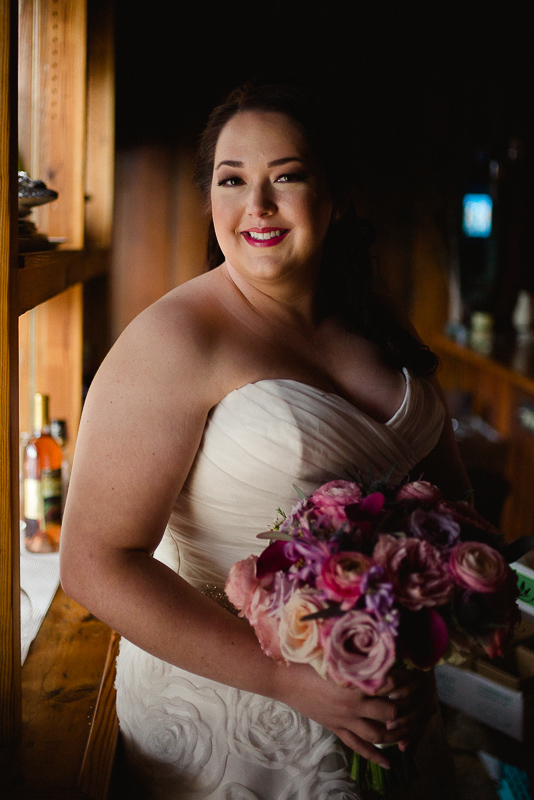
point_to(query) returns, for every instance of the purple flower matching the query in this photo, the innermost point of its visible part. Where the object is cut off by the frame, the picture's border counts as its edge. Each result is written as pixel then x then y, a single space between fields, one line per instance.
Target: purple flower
pixel 281 591
pixel 307 556
pixel 379 597
pixel 439 529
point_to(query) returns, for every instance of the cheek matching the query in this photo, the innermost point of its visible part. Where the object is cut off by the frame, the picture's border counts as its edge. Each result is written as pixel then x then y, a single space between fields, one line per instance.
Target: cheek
pixel 223 218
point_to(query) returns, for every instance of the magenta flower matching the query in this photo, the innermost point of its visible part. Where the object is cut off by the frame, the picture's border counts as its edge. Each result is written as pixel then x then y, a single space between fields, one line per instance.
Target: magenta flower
pixel 366 513
pixel 341 576
pixel 359 650
pixel 423 637
pixel 272 559
pixel 419 575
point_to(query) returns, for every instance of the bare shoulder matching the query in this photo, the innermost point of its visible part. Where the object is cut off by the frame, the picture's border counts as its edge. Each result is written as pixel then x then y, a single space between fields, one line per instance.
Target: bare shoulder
pixel 175 342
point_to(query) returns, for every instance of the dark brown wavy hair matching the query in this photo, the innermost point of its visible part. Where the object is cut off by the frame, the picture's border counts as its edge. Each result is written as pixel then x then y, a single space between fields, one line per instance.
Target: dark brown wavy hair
pixel 346 287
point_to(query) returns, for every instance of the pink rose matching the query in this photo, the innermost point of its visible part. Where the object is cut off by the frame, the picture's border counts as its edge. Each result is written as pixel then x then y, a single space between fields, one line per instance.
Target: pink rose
pixel 332 498
pixel 359 651
pixel 419 490
pixel 265 623
pixel 419 576
pixel 242 583
pixel 478 567
pixel 341 577
pixel 299 638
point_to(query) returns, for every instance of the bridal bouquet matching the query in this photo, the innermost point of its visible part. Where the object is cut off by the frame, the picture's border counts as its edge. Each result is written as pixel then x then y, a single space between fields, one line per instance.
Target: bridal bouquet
pixel 363 577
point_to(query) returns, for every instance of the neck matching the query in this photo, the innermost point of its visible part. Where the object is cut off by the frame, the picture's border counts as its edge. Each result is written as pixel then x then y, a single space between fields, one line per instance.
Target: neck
pixel 289 305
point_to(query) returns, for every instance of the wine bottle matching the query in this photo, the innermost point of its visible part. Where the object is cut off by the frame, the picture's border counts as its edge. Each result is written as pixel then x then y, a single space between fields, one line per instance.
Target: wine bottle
pixel 58 429
pixel 42 483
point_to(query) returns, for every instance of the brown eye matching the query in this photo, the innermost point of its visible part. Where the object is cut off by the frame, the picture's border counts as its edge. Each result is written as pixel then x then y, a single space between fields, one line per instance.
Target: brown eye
pixel 233 180
pixel 291 177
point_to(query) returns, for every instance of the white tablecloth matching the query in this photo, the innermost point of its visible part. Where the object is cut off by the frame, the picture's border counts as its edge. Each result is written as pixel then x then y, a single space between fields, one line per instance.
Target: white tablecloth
pixel 39 580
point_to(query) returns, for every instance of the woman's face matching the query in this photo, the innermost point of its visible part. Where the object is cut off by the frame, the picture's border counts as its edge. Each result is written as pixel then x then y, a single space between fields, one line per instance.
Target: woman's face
pixel 270 203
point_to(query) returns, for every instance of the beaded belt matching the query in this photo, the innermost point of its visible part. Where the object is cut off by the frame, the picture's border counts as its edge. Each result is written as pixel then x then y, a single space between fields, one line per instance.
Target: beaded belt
pixel 218 594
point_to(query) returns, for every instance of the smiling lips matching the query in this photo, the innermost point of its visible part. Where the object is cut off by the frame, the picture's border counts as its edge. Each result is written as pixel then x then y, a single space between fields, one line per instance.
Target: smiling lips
pixel 265 237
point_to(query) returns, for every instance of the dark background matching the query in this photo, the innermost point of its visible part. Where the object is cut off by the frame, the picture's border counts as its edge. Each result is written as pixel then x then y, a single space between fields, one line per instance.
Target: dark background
pixel 428 87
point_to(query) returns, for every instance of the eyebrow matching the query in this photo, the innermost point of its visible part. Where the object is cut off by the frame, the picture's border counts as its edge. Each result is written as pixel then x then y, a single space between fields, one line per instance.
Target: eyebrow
pixel 278 162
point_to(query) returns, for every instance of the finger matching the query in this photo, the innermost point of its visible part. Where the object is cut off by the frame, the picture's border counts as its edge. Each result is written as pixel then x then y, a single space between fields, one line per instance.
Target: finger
pixel 380 709
pixel 363 748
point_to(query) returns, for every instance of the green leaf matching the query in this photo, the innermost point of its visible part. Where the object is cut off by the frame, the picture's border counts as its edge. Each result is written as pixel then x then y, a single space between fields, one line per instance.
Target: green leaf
pixel 274 535
pixel 300 493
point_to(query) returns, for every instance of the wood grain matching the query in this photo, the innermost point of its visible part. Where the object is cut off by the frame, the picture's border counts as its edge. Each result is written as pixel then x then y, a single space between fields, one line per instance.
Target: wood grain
pixel 9 540
pixel 44 275
pixel 99 755
pixel 61 681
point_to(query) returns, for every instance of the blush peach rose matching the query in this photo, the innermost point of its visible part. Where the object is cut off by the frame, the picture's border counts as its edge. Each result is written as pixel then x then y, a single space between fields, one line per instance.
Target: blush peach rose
pixel 299 638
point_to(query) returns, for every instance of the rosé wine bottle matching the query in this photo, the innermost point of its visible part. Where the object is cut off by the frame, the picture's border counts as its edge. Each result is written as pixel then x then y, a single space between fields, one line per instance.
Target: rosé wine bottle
pixel 42 483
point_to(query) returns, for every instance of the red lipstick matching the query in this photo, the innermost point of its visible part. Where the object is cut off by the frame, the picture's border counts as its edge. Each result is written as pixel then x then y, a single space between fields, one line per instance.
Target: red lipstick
pixel 264 237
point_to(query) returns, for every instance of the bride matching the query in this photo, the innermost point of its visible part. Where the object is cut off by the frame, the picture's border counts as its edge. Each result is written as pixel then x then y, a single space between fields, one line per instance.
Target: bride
pixel 277 367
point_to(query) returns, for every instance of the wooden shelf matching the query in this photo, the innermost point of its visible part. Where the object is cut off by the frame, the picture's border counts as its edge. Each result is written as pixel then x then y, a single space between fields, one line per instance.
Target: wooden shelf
pixel 45 274
pixel 510 360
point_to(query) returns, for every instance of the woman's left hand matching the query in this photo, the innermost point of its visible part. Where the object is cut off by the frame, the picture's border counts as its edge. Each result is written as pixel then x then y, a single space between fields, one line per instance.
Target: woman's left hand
pixel 414 695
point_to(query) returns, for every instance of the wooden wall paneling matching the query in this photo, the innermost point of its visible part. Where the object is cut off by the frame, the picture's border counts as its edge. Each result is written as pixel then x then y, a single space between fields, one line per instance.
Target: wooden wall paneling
pixel 143 227
pixel 58 356
pixel 100 123
pixel 518 512
pixel 53 111
pixel 190 235
pixel 9 528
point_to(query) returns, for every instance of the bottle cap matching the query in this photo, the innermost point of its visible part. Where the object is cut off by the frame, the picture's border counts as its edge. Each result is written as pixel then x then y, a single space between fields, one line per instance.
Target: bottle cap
pixel 40 411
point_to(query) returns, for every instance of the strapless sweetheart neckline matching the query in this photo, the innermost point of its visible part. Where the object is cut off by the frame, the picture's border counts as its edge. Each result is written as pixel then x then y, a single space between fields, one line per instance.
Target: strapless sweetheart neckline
pixel 333 396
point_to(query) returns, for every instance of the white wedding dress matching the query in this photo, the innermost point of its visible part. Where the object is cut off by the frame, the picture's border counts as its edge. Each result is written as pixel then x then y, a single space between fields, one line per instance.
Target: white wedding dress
pixel 187 737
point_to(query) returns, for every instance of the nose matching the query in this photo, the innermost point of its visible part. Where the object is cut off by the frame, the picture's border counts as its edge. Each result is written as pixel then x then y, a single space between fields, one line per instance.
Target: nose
pixel 260 200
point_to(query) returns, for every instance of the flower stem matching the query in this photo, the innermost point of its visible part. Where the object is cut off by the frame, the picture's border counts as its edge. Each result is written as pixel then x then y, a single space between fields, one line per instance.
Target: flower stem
pixel 375 782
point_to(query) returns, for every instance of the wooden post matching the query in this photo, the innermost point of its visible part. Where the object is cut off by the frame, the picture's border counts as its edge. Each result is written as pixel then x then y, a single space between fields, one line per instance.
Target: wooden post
pixel 9 528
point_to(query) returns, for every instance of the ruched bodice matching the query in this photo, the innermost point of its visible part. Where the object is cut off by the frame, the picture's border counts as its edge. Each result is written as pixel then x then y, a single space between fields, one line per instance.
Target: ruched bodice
pixel 187 737
pixel 266 437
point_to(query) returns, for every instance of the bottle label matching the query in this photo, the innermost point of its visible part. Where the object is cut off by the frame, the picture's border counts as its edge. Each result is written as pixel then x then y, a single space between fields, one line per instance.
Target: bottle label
pixel 32 499
pixel 51 493
pixel 42 498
